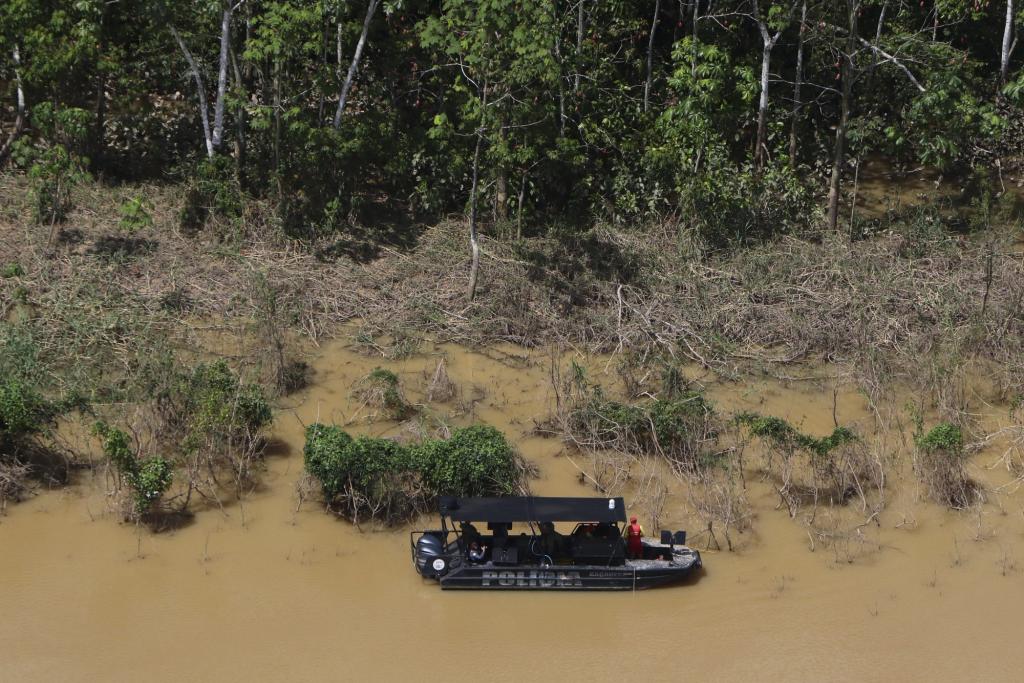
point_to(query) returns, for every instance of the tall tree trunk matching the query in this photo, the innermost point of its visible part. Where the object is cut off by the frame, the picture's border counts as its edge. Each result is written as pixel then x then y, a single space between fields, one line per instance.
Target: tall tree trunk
pixel 354 66
pixel 277 124
pixel 878 39
pixel 650 54
pixel 501 182
pixel 474 238
pixel 797 83
pixel 693 54
pixel 204 113
pixel 1004 54
pixel 838 155
pixel 762 106
pixel 579 43
pixel 19 117
pixel 561 71
pixel 222 77
pixel 239 120
pixel 519 205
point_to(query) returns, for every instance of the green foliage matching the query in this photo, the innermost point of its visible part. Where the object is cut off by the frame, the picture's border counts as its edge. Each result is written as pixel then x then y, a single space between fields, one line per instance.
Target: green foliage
pixel 218 409
pixel 783 435
pixel 943 439
pixel 22 410
pixel 54 174
pixel 384 479
pixel 675 428
pixel 940 464
pixel 213 193
pixel 475 461
pixel 148 479
pixel 382 389
pixel 134 215
pixel 12 269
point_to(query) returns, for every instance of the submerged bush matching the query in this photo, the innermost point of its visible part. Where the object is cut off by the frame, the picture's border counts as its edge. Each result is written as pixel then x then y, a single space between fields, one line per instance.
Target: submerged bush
pixel 23 414
pixel 147 479
pixel 940 465
pixel 209 415
pixel 674 428
pixel 382 479
pixel 382 390
pixel 809 469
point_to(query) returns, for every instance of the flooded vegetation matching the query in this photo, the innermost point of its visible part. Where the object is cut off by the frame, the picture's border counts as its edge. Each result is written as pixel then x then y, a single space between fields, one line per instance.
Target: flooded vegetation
pixel 860 571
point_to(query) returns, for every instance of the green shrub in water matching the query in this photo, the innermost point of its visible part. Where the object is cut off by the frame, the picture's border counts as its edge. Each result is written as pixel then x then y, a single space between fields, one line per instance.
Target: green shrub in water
pixel 219 409
pixel 383 479
pixel 147 479
pixel 940 465
pixel 783 435
pixel 673 428
pixel 381 389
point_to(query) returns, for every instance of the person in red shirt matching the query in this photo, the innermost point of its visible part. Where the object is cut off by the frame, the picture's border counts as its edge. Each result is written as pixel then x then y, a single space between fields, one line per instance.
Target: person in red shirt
pixel 634 532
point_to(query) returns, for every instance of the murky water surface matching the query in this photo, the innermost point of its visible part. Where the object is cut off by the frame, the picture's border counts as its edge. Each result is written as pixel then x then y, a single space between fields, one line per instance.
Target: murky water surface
pixel 267 592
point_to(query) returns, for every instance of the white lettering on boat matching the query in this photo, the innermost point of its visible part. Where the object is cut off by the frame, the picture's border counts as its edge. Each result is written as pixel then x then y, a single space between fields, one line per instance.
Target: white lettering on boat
pixel 530 579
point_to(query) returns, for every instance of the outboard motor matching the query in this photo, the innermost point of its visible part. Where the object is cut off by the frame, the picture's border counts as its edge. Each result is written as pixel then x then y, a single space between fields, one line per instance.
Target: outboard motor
pixel 431 560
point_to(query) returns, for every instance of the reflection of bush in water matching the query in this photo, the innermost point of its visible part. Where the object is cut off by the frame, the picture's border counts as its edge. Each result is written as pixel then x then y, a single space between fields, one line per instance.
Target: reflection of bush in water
pixel 386 480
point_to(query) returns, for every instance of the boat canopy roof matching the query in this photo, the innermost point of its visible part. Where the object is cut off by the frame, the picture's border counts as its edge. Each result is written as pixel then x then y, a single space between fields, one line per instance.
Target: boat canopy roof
pixel 533 509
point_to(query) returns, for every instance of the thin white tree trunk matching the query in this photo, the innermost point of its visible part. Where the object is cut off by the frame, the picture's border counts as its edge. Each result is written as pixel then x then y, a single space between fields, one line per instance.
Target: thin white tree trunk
pixel 762 105
pixel 839 151
pixel 354 66
pixel 1004 56
pixel 561 70
pixel 222 77
pixel 579 44
pixel 19 119
pixel 878 40
pixel 650 54
pixel 204 113
pixel 693 57
pixel 474 239
pixel 797 83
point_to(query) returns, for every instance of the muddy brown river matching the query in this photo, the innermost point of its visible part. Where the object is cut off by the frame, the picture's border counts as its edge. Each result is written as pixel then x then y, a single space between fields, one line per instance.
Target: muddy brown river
pixel 266 591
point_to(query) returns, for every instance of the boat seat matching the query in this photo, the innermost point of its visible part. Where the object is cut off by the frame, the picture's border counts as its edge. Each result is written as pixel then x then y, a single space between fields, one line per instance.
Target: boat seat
pixel 507 556
pixel 598 551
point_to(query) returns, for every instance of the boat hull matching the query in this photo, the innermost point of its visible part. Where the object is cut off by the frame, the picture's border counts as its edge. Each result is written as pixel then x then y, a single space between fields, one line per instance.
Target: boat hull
pixel 632 576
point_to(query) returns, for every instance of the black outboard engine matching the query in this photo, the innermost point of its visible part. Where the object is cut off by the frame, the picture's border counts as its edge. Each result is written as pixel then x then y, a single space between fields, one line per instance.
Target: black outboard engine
pixel 431 560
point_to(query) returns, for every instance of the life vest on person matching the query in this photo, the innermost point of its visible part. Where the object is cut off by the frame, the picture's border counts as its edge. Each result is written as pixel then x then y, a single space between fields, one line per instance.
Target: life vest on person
pixel 634 531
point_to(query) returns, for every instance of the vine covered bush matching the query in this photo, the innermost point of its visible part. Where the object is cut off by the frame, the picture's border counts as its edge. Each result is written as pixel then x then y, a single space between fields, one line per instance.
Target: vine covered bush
pixel 383 479
pixel 808 469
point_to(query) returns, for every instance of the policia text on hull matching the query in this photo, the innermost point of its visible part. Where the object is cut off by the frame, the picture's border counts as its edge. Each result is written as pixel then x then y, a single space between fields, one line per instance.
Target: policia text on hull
pixel 601 552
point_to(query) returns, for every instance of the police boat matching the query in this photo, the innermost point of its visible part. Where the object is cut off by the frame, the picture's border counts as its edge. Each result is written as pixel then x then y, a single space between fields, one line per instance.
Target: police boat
pixel 593 556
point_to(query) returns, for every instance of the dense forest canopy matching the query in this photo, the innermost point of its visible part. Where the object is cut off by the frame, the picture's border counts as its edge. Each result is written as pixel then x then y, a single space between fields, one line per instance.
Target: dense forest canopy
pixel 743 118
